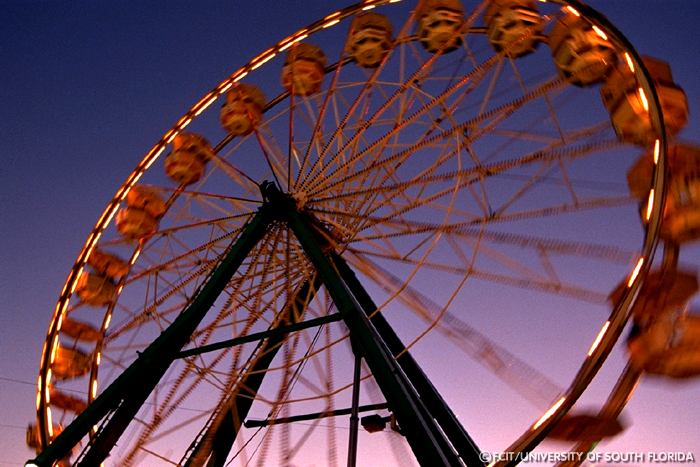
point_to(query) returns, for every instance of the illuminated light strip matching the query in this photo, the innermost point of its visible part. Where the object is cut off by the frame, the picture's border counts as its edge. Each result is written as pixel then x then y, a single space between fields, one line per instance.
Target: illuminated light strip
pixel 49 418
pixel 285 40
pixel 172 136
pixel 202 107
pixel 75 283
pixel 98 358
pixel 121 194
pixel 289 44
pixel 91 237
pixel 93 244
pixel 573 10
pixel 47 394
pixel 300 38
pixel 289 41
pixel 58 307
pixel 657 147
pixel 331 23
pixel 108 319
pixel 630 64
pixel 100 222
pixel 185 123
pixel 169 136
pixel 394 1
pixel 134 258
pixel 548 414
pixel 45 346
pixel 124 192
pixel 370 7
pixel 63 306
pixel 226 87
pixel 332 20
pixel 182 120
pixel 38 392
pixel 54 349
pixel 237 79
pixel 635 273
pixel 137 176
pixel 599 338
pixel 97 237
pixel 643 97
pixel 260 57
pixel 93 388
pixel 65 285
pixel 650 204
pixel 262 62
pixel 600 32
pixel 153 158
pixel 60 323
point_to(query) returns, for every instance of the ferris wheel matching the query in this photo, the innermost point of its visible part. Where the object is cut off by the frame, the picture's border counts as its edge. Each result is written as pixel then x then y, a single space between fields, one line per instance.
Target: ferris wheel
pixel 391 237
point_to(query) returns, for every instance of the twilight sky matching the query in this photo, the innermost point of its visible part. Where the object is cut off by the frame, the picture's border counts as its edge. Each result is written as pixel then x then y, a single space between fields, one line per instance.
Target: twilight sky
pixel 88 87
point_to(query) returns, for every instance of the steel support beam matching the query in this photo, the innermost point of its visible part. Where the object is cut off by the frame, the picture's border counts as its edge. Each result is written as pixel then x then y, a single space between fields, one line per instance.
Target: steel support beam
pixel 355 411
pixel 460 439
pixel 313 416
pixel 258 336
pixel 420 428
pixel 124 396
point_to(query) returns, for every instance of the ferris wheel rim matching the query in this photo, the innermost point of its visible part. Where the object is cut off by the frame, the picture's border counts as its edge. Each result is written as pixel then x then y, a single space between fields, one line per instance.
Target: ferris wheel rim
pixel 618 316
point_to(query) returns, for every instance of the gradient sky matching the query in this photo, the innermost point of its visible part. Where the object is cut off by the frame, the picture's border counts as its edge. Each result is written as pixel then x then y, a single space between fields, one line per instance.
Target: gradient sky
pixel 87 87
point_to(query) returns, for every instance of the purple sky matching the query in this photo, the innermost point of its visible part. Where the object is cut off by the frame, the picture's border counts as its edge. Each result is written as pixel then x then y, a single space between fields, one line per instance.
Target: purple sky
pixel 88 87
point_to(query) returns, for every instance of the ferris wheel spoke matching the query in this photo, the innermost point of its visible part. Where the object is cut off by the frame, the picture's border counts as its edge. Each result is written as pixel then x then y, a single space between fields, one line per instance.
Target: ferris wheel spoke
pixel 168 406
pixel 174 429
pixel 330 182
pixel 149 313
pixel 164 411
pixel 205 223
pixel 158 456
pixel 495 76
pixel 477 74
pixel 136 318
pixel 351 109
pixel 521 281
pixel 237 175
pixel 401 92
pixel 316 133
pixel 551 245
pixel 467 175
pixel 219 203
pixel 519 375
pixel 544 170
pixel 443 155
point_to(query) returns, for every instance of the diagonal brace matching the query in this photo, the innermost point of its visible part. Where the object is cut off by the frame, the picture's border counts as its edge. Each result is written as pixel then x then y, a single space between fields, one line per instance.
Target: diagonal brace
pixel 125 395
pixel 423 433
